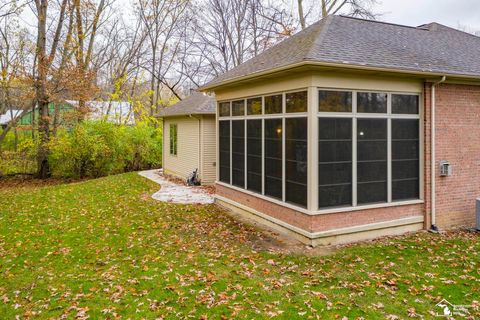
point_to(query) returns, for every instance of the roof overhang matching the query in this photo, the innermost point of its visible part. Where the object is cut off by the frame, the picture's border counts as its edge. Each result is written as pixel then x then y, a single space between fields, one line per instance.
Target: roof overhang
pixel 308 65
pixel 185 115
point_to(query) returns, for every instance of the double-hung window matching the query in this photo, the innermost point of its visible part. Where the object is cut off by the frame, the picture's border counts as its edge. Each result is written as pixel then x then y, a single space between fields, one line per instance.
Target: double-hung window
pixel 173 139
pixel 368 148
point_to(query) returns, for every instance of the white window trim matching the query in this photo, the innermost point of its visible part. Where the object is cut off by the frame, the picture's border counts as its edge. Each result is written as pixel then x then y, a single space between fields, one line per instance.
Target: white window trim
pixel 313 110
pixel 354 115
pixel 283 116
pixel 170 138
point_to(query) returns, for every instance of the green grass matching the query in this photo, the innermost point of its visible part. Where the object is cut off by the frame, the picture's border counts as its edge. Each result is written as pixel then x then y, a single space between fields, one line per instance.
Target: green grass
pixel 104 249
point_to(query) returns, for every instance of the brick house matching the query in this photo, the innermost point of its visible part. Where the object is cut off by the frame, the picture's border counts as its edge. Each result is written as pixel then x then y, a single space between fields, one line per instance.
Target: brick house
pixel 332 134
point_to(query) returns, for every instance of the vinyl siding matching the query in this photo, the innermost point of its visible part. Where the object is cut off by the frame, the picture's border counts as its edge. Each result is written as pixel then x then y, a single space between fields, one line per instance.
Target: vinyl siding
pixel 209 142
pixel 188 147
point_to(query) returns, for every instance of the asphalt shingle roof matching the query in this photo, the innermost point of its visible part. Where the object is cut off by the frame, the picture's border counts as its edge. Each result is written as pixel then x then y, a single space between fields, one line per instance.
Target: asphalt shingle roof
pixel 197 103
pixel 432 48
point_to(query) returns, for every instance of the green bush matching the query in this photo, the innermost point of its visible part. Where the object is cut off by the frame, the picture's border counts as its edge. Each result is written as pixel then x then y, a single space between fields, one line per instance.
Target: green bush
pixel 95 148
pixel 143 147
pixel 90 149
pixel 19 161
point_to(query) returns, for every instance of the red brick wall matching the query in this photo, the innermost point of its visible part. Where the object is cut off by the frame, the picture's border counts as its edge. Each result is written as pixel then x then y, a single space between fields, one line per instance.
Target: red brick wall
pixel 322 222
pixel 458 141
pixel 274 210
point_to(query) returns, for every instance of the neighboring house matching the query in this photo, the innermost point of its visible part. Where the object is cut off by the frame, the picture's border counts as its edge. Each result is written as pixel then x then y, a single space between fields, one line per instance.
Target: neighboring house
pixel 118 112
pixel 189 138
pixel 350 130
pixel 7 117
pixel 114 112
pixel 65 112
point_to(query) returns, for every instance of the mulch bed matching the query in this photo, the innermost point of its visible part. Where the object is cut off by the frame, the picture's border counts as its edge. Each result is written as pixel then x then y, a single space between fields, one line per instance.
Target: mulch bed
pixel 173 179
pixel 29 181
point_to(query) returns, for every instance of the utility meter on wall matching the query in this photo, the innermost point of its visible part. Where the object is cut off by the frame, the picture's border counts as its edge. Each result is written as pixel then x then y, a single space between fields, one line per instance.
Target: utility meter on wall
pixel 445 168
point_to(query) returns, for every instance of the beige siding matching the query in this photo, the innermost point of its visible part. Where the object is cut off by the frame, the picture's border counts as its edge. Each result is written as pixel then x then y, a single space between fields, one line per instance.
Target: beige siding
pixel 209 142
pixel 187 158
pixel 323 79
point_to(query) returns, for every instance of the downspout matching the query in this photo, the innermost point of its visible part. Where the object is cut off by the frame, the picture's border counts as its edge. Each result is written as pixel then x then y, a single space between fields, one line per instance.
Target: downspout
pixel 163 145
pixel 199 143
pixel 432 156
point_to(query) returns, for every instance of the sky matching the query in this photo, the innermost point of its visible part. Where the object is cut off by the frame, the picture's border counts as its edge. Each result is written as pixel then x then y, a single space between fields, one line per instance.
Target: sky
pixel 453 13
pixel 416 12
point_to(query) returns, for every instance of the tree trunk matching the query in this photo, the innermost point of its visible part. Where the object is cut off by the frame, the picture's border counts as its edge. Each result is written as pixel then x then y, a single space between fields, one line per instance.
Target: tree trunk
pixel 43 168
pixel 15 134
pixel 34 103
pixel 301 17
pixel 56 118
pixel 44 137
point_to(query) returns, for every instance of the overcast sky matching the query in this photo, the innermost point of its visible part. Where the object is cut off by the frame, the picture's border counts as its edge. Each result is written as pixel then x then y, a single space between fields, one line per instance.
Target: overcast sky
pixel 416 12
pixel 453 13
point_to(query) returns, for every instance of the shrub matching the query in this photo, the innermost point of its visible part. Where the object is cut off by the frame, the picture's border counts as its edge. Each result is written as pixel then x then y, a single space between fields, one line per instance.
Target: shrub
pixel 20 161
pixel 94 148
pixel 143 147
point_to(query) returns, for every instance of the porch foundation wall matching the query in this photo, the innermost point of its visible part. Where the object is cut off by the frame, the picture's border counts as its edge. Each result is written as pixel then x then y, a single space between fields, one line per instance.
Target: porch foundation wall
pixel 323 229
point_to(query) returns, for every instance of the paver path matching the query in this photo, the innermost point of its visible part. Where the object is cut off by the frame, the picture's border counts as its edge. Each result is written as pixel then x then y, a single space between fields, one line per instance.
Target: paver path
pixel 175 193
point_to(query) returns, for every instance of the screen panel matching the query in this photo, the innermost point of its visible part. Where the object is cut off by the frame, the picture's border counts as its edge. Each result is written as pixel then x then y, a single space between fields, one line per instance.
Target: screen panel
pixel 273 158
pixel 273 104
pixel 296 101
pixel 370 102
pixel 254 155
pixel 405 104
pixel 224 150
pixel 224 109
pixel 405 159
pixel 238 108
pixel 335 162
pixel 334 101
pixel 371 160
pixel 238 153
pixel 296 160
pixel 254 106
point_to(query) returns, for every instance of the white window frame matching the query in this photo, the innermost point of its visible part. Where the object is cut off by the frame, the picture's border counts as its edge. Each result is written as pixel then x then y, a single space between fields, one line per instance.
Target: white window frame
pixel 175 142
pixel 354 115
pixel 283 116
pixel 312 115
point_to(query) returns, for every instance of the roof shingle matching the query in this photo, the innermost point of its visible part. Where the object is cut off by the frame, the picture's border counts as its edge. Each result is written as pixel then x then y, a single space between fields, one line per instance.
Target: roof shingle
pixel 197 103
pixel 350 41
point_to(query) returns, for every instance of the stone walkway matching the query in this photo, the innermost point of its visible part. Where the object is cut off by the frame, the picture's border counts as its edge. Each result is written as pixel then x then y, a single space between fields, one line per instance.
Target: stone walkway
pixel 175 193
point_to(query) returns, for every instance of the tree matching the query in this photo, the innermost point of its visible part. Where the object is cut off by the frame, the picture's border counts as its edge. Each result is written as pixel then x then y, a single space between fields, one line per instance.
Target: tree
pixel 12 7
pixel 233 32
pixel 161 20
pixel 50 79
pixel 317 9
pixel 14 62
pixel 119 72
pixel 91 14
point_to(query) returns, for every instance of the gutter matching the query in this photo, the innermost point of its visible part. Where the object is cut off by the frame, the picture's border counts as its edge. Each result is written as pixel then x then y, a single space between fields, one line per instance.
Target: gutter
pixel 433 170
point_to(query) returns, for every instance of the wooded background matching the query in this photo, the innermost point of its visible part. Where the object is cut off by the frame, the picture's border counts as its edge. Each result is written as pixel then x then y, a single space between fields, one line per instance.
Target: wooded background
pixel 150 53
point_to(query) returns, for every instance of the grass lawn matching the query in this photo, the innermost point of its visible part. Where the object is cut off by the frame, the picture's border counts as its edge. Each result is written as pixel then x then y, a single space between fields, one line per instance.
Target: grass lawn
pixel 104 249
